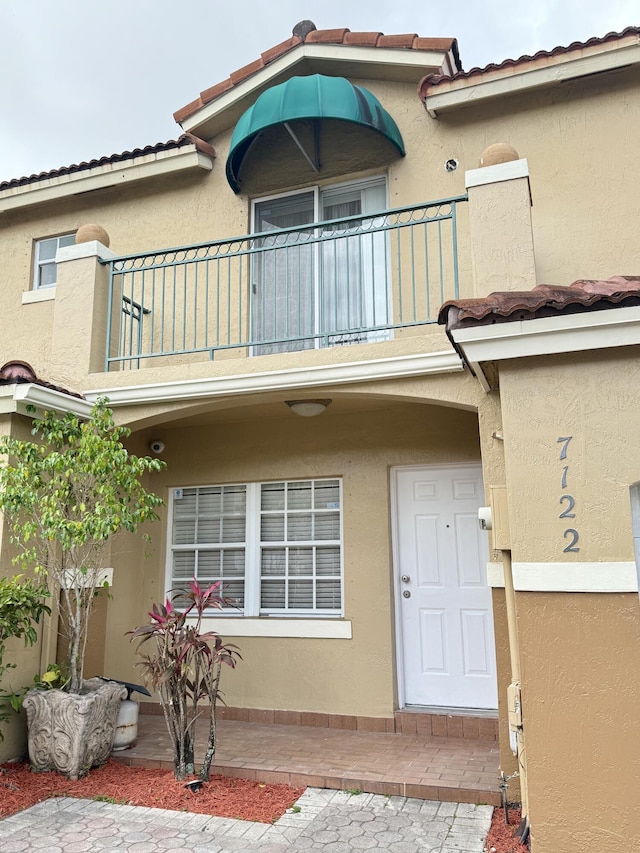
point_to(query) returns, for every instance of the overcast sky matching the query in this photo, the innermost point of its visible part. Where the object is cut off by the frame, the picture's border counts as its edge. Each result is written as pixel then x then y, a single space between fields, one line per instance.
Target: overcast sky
pixel 79 80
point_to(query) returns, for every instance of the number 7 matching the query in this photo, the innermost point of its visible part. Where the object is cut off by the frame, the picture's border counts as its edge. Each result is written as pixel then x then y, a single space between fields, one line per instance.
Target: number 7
pixel 566 440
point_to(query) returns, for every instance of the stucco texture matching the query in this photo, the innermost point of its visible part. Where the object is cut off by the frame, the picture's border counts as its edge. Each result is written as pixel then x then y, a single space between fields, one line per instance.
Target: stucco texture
pixel 354 676
pixel 580 658
pixel 579 651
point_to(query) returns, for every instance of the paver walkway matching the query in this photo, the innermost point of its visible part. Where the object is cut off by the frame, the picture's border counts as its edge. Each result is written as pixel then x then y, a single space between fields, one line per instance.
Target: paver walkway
pixel 432 768
pixel 322 820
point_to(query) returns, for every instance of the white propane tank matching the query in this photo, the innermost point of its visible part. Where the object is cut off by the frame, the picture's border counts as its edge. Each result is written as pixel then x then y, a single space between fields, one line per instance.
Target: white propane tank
pixel 126 725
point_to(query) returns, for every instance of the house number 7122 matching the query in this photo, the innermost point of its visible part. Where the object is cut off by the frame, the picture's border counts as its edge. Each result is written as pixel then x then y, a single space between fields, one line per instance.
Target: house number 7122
pixel 567 502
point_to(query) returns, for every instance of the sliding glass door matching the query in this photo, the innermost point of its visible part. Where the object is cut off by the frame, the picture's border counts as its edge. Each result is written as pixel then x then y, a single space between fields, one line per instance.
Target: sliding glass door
pixel 322 286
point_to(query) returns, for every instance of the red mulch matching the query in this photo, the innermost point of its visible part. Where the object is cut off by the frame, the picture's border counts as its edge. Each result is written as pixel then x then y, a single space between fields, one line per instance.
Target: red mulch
pixel 222 796
pixel 143 786
pixel 500 838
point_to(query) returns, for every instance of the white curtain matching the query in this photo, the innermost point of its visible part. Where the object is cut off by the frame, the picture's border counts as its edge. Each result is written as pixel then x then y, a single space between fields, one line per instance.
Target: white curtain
pixel 354 265
pixel 283 295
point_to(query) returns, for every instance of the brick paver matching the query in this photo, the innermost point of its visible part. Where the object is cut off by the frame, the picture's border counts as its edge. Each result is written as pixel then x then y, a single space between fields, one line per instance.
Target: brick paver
pixel 323 820
pixel 425 766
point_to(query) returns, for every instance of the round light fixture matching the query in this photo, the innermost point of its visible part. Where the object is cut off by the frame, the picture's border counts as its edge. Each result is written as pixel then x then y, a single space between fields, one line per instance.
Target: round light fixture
pixel 308 408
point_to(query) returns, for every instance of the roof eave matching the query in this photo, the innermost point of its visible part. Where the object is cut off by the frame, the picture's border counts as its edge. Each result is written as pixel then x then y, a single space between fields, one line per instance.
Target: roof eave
pixel 446 95
pixel 591 330
pixel 395 64
pixel 31 400
pixel 144 167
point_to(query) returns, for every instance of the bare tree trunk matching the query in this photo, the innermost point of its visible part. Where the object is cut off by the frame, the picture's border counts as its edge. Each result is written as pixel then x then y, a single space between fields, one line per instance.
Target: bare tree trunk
pixel 212 689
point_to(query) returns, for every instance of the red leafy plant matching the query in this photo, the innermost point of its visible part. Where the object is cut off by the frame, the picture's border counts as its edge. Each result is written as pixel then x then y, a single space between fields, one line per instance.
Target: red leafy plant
pixel 184 668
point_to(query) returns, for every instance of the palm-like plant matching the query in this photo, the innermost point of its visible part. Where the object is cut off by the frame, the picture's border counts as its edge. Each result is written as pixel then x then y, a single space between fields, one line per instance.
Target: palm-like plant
pixel 185 667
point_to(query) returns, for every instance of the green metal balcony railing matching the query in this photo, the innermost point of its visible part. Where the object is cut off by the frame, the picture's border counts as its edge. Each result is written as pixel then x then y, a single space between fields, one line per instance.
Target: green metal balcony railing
pixel 344 281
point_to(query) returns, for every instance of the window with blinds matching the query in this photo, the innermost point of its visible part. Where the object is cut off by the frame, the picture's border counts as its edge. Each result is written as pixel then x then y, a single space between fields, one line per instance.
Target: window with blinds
pixel 276 548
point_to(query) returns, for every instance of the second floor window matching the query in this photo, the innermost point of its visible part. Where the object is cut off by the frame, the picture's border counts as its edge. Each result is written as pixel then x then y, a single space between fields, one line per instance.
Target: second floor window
pixel 44 263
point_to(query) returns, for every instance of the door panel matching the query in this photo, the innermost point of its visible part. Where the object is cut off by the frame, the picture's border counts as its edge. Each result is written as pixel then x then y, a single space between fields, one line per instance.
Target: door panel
pixel 448 656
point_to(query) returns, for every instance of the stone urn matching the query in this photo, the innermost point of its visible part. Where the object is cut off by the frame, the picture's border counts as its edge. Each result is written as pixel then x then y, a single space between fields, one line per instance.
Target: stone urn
pixel 72 733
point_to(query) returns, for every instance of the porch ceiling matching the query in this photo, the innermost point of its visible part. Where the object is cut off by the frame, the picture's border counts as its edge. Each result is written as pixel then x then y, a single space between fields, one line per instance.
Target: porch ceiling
pixel 252 409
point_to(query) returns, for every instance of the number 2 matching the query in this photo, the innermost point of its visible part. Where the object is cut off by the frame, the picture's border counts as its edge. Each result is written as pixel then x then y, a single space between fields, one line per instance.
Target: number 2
pixel 574 538
pixel 566 512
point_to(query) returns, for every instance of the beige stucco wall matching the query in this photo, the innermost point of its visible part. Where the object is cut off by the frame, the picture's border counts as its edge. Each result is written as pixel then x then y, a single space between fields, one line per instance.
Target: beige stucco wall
pixel 580 651
pixel 564 134
pixel 593 398
pixel 354 676
pixel 581 702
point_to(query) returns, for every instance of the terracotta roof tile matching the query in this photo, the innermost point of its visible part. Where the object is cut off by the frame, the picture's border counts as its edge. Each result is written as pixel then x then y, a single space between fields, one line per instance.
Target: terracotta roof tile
pixel 545 300
pixel 85 166
pixel 185 111
pixel 208 95
pixel 280 49
pixel 335 36
pixel 362 39
pixel 21 373
pixel 246 71
pixel 406 40
pixel 327 36
pixel 421 43
pixel 542 57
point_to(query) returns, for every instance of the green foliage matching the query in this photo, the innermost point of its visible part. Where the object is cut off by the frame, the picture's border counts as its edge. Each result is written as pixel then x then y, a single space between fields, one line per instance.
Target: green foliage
pixel 184 666
pixel 21 606
pixel 54 678
pixel 64 496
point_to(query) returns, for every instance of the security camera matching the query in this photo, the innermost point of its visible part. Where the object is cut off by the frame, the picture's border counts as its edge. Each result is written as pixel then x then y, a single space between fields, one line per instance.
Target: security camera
pixel 156 446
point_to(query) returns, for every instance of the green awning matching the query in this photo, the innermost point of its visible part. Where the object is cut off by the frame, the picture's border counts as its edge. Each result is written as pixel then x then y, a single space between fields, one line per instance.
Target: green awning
pixel 314 97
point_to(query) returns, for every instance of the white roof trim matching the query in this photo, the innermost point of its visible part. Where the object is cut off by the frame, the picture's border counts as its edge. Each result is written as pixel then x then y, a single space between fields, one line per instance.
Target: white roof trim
pixel 364 57
pixel 615 327
pixel 519 81
pixel 296 378
pixel 105 175
pixel 26 397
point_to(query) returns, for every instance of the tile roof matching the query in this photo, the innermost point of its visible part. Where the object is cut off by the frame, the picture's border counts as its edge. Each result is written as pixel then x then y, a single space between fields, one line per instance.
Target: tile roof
pixel 408 41
pixel 541 58
pixel 21 373
pixel 183 140
pixel 545 300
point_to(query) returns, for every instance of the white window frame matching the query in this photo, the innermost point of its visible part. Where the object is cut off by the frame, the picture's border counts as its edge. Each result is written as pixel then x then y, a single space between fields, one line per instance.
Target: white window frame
pixel 318 190
pixel 39 263
pixel 253 545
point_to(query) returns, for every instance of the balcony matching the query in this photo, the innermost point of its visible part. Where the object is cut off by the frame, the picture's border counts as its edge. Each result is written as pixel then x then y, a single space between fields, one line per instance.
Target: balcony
pixel 360 279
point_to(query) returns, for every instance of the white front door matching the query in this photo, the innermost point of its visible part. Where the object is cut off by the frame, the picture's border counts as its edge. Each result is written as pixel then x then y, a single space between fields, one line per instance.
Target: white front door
pixel 445 615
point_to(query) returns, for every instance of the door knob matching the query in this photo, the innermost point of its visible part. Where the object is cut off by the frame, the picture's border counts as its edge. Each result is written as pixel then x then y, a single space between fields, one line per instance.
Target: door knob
pixel 406 593
pixel 405 578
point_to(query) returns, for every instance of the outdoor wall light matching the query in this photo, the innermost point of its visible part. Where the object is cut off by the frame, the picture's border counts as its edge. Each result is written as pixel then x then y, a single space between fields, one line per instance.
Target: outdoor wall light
pixel 308 408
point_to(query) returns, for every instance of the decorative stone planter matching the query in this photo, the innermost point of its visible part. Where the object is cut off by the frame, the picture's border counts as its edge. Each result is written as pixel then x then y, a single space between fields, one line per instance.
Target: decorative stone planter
pixel 72 733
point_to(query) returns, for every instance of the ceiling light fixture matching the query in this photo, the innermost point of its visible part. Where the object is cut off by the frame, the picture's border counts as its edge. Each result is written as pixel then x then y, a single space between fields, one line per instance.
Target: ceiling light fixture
pixel 308 408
